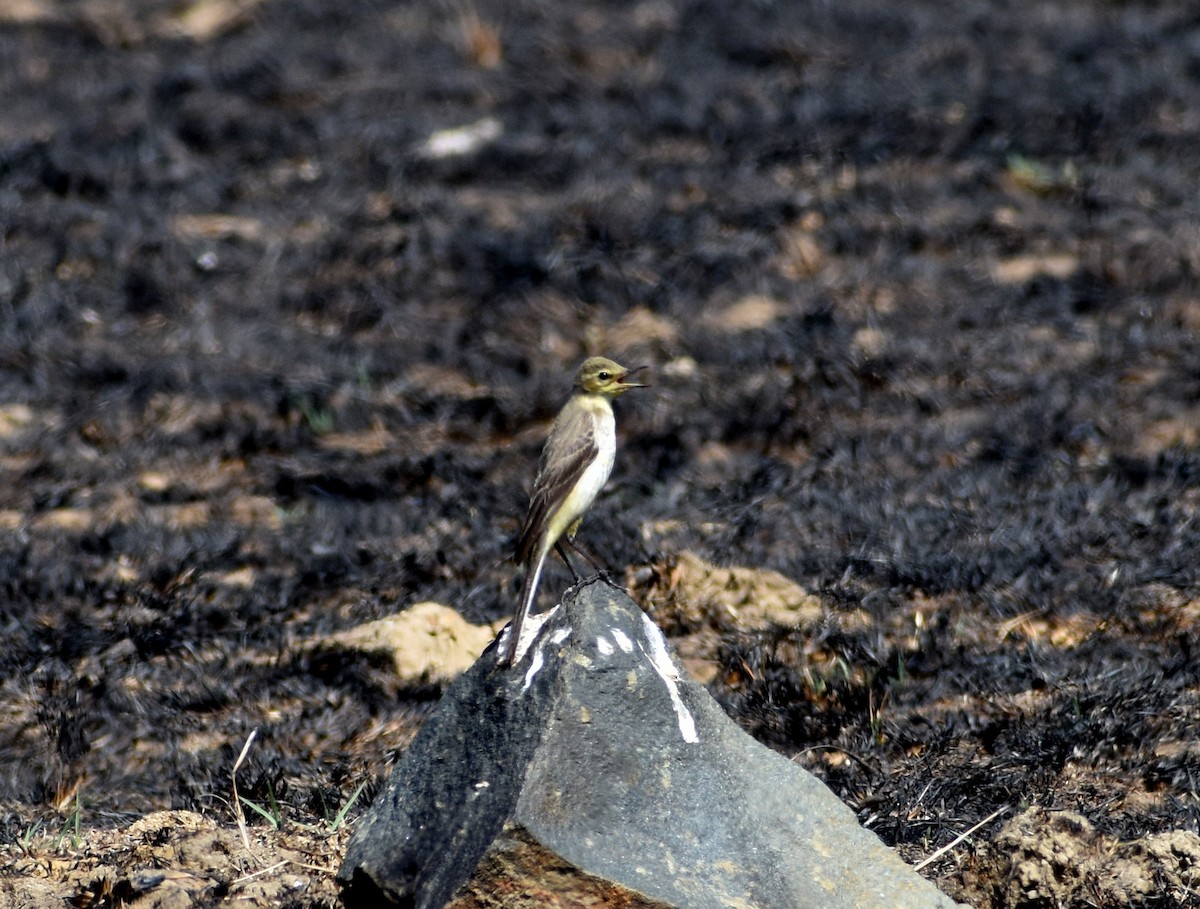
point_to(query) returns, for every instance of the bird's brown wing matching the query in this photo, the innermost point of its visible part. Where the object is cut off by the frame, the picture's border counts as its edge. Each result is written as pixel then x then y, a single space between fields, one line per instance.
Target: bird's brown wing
pixel 568 452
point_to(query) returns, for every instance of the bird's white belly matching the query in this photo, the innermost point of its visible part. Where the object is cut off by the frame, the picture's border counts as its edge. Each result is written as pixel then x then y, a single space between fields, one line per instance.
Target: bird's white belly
pixel 580 499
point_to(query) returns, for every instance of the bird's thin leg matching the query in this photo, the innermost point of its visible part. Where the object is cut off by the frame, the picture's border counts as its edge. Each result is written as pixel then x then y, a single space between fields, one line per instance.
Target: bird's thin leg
pixel 603 572
pixel 562 554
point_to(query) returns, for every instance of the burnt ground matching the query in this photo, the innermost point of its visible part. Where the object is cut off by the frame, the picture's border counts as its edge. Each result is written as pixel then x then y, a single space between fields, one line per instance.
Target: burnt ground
pixel 920 289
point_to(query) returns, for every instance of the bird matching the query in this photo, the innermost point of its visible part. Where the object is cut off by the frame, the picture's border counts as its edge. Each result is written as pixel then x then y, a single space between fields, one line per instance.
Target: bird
pixel 575 464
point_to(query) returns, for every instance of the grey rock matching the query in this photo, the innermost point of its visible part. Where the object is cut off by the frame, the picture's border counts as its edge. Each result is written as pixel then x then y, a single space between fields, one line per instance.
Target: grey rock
pixel 594 772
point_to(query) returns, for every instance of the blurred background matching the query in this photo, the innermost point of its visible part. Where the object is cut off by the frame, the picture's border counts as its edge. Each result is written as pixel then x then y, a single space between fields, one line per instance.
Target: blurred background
pixel 289 292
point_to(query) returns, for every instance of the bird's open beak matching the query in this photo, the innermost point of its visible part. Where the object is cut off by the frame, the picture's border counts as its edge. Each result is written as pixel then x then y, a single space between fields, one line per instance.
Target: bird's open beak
pixel 624 380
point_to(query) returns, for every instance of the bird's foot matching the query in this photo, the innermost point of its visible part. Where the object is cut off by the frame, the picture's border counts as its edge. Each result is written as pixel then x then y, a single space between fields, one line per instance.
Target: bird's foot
pixel 600 577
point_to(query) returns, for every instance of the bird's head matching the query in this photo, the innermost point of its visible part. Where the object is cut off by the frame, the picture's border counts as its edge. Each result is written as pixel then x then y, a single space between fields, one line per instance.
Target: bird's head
pixel 602 376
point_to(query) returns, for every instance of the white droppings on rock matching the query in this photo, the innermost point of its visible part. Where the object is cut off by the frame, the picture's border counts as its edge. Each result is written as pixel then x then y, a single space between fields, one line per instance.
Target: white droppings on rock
pixel 623 641
pixel 605 648
pixel 534 665
pixel 661 661
pixel 529 632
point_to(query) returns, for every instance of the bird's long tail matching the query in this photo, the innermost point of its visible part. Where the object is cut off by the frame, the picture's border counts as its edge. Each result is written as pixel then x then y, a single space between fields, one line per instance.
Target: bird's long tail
pixel 529 586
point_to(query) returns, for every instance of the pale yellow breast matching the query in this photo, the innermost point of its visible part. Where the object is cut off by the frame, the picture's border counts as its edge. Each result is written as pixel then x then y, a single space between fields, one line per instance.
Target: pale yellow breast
pixel 580 499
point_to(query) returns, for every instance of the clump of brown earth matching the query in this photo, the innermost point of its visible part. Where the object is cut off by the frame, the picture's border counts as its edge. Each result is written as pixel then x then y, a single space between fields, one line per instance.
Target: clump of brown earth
pixel 1058 858
pixel 175 860
pixel 290 291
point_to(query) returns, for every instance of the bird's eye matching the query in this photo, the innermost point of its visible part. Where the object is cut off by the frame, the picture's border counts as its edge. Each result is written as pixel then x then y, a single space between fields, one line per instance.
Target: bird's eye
pixel 605 376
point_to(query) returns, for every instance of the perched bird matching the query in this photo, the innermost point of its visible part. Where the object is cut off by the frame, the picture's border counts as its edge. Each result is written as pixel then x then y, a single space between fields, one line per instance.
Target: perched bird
pixel 575 465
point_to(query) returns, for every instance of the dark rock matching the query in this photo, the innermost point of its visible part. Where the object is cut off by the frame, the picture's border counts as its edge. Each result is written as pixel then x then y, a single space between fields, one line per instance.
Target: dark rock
pixel 593 773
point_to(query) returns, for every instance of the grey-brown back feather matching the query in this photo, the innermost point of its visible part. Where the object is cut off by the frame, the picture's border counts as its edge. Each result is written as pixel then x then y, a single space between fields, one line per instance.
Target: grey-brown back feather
pixel 569 450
